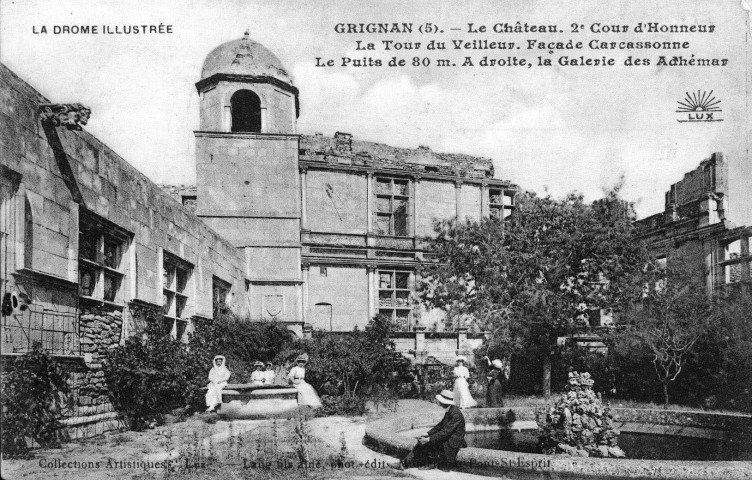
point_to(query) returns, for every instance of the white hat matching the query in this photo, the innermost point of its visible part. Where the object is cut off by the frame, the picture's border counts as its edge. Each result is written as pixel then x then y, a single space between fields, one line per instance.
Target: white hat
pixel 497 364
pixel 446 397
pixel 461 358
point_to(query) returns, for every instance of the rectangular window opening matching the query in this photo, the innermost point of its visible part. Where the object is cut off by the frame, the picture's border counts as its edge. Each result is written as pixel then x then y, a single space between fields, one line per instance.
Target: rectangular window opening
pixel 395 297
pixel 392 207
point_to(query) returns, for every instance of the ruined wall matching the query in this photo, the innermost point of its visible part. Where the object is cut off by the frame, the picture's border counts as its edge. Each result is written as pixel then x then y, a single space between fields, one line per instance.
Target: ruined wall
pixel 710 176
pixel 319 148
pixel 695 225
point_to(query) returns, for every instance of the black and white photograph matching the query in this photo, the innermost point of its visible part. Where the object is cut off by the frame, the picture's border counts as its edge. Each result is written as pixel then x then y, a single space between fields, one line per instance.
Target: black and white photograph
pixel 431 239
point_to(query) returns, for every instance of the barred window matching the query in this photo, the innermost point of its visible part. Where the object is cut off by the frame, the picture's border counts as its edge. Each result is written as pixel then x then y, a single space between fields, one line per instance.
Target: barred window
pixel 220 295
pixel 394 297
pixel 101 247
pixel 176 274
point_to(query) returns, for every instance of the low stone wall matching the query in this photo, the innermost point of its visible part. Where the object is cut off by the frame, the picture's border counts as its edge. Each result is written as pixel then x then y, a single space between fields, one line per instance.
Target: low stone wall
pixel 90 411
pixel 677 418
pixel 383 436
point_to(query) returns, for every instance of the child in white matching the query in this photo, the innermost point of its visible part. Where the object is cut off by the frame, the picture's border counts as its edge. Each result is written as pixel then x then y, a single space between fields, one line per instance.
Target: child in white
pixel 258 377
pixel 462 397
pixel 269 375
pixel 218 377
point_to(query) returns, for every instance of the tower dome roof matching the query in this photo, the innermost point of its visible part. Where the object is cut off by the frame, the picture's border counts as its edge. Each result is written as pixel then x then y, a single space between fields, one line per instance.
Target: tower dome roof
pixel 244 57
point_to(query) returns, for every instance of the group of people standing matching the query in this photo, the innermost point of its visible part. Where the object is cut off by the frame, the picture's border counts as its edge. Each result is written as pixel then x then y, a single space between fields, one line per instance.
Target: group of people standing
pixel 263 375
pixel 498 373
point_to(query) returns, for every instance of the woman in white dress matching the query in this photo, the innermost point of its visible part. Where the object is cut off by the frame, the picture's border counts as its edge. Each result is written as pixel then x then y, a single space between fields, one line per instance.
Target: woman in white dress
pixel 218 377
pixel 269 374
pixel 257 377
pixel 306 393
pixel 462 397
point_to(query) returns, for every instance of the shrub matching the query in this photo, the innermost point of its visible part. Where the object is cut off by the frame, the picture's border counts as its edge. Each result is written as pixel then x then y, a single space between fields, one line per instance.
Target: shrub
pixel 341 405
pixel 351 364
pixel 242 341
pixel 578 424
pixel 148 379
pixel 34 391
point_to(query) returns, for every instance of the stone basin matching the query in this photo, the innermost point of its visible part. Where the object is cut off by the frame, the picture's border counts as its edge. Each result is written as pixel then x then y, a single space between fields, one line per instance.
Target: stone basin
pixel 395 435
pixel 244 401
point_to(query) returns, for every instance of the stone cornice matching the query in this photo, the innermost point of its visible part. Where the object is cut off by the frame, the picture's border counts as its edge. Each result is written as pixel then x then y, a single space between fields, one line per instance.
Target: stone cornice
pixel 259 135
pixel 273 281
pixel 369 263
pixel 234 77
pixel 231 77
pixel 46 278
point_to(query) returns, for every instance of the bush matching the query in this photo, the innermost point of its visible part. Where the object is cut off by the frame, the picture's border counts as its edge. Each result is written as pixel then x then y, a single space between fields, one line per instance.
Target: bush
pixel 148 379
pixel 342 405
pixel 242 341
pixel 34 391
pixel 352 364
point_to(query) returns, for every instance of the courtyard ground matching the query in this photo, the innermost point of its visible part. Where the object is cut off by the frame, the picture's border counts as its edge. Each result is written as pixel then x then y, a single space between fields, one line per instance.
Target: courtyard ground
pixel 203 447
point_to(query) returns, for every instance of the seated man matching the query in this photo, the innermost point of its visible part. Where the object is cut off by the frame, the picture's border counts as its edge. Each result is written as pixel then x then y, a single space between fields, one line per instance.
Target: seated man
pixel 443 441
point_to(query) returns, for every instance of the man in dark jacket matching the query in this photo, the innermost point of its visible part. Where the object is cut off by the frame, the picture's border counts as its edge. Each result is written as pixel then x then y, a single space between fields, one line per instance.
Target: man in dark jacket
pixel 443 441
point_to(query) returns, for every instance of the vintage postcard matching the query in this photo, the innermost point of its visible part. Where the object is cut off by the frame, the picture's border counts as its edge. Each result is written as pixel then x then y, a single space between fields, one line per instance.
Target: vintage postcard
pixel 339 239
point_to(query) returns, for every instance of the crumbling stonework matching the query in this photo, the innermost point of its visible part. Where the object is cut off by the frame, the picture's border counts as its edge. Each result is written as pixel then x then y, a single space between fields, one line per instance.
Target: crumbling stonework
pixel 695 223
pixel 343 149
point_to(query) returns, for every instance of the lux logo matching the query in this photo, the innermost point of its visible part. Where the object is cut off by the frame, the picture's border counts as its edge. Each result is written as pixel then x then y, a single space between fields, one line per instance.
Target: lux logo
pixel 698 107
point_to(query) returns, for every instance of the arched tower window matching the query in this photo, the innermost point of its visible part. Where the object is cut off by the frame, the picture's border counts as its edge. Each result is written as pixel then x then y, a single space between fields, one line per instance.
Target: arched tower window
pixel 246 111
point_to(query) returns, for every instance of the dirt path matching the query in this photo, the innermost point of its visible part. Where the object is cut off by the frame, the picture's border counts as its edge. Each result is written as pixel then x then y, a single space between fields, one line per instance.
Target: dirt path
pixel 125 455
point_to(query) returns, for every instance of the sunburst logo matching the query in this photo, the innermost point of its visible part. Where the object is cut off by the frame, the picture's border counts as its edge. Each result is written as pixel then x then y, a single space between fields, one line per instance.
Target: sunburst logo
pixel 699 107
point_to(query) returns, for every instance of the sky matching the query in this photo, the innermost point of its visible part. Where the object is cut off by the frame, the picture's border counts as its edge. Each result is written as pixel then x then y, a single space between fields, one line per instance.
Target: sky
pixel 556 129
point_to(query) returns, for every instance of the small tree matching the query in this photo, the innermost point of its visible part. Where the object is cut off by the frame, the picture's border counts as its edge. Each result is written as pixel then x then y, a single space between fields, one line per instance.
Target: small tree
pixel 674 314
pixel 543 275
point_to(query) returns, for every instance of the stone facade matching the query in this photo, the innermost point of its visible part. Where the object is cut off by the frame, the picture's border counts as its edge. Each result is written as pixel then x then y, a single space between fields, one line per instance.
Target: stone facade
pixel 695 221
pixel 89 244
pixel 332 227
pixel 313 231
